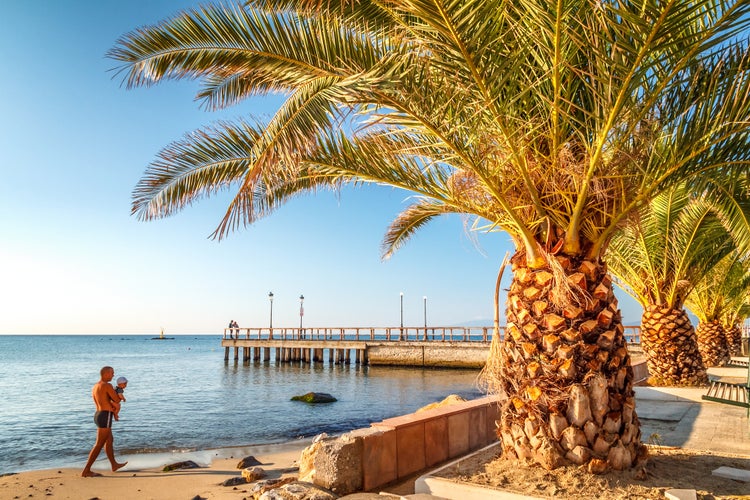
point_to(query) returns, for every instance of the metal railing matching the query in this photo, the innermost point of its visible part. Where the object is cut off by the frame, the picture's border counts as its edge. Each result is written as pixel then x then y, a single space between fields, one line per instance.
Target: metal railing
pixel 386 334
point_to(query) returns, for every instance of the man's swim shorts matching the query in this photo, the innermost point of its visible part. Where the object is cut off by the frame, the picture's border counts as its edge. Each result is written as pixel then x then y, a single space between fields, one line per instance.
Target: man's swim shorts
pixel 103 419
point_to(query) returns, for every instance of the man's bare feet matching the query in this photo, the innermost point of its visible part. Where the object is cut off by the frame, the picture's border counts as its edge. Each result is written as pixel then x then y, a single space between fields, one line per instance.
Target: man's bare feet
pixel 117 467
pixel 90 474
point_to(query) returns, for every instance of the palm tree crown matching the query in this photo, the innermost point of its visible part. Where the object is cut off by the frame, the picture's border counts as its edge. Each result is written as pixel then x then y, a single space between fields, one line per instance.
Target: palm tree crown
pixel 542 118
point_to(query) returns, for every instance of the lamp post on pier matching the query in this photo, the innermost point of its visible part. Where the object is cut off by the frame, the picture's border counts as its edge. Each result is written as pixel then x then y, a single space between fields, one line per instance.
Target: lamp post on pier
pixel 301 313
pixel 401 334
pixel 425 316
pixel 270 322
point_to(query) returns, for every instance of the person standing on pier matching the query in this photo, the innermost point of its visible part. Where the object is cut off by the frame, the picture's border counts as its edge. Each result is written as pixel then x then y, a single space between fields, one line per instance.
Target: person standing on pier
pixel 104 398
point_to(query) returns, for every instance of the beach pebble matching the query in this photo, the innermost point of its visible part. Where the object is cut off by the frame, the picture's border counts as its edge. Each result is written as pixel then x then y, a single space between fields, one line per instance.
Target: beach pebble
pixel 249 461
pixel 298 491
pixel 253 474
pixel 234 481
pixel 188 464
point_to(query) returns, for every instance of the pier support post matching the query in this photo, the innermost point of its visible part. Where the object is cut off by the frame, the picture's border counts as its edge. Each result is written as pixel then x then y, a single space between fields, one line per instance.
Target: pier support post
pixel 330 355
pixel 226 354
pixel 236 353
pixel 267 354
pixel 348 356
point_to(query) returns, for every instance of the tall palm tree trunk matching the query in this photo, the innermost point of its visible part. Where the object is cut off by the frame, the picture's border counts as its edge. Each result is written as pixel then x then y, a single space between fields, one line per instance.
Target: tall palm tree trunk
pixel 671 348
pixel 734 340
pixel 566 370
pixel 712 343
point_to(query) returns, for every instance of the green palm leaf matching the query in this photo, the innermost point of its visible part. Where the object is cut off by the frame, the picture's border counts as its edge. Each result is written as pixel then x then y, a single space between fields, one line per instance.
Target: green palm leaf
pixel 610 105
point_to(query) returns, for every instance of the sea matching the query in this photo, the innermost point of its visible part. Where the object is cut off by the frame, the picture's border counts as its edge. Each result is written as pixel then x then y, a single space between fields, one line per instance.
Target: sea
pixel 183 397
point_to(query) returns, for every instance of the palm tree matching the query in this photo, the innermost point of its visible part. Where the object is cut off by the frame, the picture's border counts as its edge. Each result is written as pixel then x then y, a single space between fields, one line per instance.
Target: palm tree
pixel 720 301
pixel 673 244
pixel 536 117
pixel 732 324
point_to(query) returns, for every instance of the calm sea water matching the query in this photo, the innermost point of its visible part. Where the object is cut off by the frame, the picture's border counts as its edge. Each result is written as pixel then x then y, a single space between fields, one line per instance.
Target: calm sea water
pixel 183 396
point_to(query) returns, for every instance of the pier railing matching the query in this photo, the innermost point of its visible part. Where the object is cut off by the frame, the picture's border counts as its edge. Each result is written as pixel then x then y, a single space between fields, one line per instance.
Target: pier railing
pixel 387 334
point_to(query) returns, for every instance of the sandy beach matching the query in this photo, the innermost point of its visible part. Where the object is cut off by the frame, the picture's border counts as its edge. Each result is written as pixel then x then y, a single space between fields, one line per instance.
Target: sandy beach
pixel 143 478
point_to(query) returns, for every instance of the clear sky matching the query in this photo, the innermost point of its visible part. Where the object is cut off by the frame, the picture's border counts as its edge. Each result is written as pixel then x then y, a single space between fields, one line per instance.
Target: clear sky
pixel 73 144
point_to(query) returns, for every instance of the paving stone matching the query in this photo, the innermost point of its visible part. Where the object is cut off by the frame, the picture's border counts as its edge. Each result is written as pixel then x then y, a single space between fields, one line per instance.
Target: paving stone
pixel 676 494
pixel 732 473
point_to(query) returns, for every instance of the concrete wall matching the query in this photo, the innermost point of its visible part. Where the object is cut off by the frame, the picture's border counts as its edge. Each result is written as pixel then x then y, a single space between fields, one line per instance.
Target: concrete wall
pixel 398 447
pixel 448 354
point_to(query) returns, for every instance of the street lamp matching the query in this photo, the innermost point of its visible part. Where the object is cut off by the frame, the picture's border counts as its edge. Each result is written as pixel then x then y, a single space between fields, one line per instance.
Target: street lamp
pixel 402 309
pixel 301 313
pixel 401 335
pixel 270 299
pixel 425 316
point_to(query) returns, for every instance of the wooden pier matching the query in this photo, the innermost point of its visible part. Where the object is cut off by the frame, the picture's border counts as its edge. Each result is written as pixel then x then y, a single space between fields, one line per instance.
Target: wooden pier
pixel 454 347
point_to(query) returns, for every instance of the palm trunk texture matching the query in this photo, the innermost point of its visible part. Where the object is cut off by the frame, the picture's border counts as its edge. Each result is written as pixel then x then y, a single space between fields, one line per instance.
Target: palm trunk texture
pixel 734 340
pixel 565 369
pixel 671 348
pixel 712 343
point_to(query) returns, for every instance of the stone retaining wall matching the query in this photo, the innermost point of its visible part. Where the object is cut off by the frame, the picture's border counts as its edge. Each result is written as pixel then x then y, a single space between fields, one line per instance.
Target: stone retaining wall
pixel 448 355
pixel 398 447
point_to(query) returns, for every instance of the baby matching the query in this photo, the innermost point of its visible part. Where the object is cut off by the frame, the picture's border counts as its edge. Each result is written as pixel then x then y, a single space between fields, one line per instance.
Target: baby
pixel 122 383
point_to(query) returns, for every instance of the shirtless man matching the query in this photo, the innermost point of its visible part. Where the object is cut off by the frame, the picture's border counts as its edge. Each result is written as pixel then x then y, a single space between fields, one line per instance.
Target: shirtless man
pixel 104 395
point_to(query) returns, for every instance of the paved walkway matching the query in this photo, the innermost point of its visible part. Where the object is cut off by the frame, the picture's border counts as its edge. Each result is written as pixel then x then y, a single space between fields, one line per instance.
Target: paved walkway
pixel 679 417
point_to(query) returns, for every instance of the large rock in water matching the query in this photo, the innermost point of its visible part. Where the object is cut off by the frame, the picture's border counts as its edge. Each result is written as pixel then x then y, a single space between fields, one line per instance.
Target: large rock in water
pixel 334 464
pixel 315 397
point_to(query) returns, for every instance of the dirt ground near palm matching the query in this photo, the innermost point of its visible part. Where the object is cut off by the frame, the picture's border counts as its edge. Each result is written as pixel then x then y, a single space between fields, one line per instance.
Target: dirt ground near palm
pixel 666 468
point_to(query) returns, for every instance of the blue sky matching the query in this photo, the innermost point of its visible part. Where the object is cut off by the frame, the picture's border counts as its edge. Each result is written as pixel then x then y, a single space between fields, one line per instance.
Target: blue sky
pixel 74 143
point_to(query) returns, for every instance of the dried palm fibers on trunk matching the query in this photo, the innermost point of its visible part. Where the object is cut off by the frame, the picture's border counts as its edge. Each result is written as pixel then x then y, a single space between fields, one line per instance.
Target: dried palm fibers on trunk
pixel 712 343
pixel 565 369
pixel 671 348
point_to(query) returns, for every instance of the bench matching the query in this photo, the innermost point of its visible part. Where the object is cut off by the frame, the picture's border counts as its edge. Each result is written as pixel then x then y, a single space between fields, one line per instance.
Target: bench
pixel 742 363
pixel 732 394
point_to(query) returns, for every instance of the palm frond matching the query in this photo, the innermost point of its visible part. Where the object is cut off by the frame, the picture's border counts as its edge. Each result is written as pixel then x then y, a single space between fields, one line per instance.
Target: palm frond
pixel 409 222
pixel 551 121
